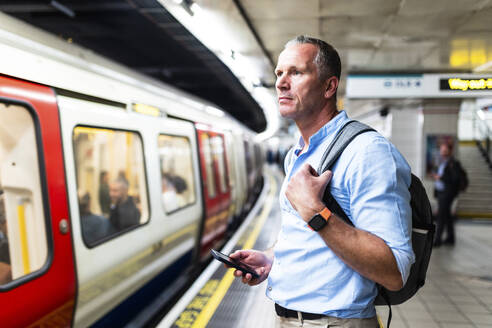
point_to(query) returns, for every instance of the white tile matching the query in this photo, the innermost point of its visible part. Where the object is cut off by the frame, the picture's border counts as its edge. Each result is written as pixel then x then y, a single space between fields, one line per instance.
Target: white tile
pixel 480 318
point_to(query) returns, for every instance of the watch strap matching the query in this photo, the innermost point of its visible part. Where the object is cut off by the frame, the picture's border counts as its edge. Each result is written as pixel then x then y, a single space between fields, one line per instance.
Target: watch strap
pixel 325 213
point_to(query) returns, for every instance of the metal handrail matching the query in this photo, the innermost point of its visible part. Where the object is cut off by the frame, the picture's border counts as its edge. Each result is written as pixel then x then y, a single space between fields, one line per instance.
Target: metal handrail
pixel 482 136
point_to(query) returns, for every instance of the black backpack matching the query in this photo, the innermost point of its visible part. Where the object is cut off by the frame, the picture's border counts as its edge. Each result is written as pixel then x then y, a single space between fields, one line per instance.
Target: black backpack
pixel 462 177
pixel 422 226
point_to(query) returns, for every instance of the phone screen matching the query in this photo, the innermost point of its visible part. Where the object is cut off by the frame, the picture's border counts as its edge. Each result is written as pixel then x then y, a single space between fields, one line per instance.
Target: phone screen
pixel 233 263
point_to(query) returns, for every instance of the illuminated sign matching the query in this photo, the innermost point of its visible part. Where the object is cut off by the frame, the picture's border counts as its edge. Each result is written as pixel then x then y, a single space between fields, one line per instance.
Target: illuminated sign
pixel 146 109
pixel 465 84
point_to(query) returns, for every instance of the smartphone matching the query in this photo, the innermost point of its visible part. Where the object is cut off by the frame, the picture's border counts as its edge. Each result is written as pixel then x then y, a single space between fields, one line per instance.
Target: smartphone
pixel 233 263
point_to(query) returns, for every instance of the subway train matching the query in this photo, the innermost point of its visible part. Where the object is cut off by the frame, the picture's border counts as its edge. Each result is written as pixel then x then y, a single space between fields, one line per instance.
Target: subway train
pixel 113 187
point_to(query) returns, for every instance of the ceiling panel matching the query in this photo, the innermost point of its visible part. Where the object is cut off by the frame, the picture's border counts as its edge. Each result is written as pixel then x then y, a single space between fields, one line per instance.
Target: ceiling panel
pixel 278 32
pixel 358 8
pixel 480 21
pixel 402 58
pixel 352 31
pixel 442 7
pixel 284 9
pixel 424 27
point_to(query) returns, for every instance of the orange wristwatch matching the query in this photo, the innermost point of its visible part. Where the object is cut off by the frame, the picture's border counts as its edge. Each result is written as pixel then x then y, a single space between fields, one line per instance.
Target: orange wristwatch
pixel 319 220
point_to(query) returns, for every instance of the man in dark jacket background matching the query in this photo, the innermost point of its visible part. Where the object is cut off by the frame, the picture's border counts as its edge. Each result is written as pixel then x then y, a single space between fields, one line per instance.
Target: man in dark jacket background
pixel 124 213
pixel 446 189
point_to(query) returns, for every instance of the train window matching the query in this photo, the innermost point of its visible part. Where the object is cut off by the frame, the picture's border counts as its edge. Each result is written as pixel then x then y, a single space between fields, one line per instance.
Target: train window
pixel 23 243
pixel 209 164
pixel 111 182
pixel 219 157
pixel 178 186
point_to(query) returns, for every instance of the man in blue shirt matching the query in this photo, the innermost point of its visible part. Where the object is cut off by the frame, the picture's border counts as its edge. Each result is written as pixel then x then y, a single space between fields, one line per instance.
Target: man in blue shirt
pixel 324 273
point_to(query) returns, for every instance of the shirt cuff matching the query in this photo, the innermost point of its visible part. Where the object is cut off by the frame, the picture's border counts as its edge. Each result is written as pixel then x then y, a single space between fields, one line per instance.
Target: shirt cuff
pixel 404 260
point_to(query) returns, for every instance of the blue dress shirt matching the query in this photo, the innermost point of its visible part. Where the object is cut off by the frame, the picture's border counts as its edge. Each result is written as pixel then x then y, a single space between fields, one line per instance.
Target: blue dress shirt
pixel 370 182
pixel 439 184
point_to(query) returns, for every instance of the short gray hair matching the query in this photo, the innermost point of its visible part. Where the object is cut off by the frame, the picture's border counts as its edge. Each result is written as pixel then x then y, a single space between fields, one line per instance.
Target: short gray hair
pixel 122 182
pixel 327 59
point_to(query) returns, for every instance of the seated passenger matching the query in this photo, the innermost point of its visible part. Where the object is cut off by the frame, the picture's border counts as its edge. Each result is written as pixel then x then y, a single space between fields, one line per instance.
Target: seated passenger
pixel 94 227
pixel 124 213
pixel 181 188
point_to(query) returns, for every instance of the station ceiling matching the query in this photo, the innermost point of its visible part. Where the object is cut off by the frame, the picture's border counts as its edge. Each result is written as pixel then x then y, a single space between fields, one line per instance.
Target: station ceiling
pixel 142 35
pixel 372 36
pixel 384 35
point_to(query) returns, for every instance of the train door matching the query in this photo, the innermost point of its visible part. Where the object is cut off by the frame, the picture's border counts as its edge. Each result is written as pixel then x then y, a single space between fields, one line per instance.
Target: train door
pixel 216 191
pixel 132 238
pixel 37 277
pixel 230 155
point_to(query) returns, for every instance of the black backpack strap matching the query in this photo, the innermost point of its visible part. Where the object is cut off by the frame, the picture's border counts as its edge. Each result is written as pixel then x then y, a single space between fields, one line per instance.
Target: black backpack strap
pixel 345 135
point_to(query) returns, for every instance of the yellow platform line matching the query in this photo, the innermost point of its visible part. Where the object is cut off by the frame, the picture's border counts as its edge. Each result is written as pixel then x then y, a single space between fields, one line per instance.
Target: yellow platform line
pixel 216 298
pixel 474 215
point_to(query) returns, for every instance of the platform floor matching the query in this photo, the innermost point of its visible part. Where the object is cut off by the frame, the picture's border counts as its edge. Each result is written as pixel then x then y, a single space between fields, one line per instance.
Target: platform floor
pixel 458 291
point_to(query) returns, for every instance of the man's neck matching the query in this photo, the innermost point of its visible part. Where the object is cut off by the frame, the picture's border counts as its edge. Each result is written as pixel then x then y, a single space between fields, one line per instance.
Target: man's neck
pixel 309 127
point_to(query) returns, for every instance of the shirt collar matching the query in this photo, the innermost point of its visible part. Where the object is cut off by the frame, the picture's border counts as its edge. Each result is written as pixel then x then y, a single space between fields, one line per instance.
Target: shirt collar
pixel 328 129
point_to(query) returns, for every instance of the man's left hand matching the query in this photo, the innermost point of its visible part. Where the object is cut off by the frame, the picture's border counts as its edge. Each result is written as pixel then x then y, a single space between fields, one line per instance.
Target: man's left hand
pixel 305 191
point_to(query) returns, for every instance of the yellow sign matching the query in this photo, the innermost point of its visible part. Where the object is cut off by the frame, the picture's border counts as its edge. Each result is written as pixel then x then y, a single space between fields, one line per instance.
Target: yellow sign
pixel 146 110
pixel 470 84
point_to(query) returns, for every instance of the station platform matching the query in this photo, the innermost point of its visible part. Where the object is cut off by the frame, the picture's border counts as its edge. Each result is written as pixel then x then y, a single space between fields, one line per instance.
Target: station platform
pixel 457 293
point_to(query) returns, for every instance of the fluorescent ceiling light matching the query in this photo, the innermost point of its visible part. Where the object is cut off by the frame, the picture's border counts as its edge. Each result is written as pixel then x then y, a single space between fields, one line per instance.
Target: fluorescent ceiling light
pixel 487 67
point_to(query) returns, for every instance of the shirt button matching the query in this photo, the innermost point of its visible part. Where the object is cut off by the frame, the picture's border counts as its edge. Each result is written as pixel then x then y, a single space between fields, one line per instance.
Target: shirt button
pixel 269 288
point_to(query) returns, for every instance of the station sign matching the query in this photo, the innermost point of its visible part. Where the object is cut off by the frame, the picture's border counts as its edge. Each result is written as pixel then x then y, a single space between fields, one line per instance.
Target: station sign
pixel 390 86
pixel 418 86
pixel 465 84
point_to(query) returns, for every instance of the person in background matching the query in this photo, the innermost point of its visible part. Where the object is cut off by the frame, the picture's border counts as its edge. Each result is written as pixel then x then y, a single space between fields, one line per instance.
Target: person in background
pixel 124 212
pixel 94 227
pixel 104 199
pixel 446 188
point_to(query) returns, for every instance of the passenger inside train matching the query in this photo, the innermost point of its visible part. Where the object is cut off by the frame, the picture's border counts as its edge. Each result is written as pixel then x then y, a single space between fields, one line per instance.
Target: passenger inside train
pixel 177 172
pixel 94 227
pixel 110 169
pixel 124 212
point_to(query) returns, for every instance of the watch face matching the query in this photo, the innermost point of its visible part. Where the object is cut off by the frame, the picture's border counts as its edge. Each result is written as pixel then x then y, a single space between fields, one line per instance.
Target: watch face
pixel 317 222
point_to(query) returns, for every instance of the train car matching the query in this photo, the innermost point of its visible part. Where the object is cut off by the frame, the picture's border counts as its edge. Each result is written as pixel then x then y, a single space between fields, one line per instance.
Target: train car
pixel 113 187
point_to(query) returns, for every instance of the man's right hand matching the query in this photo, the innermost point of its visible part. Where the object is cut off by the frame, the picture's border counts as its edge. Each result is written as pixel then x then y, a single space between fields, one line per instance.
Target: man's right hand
pixel 261 262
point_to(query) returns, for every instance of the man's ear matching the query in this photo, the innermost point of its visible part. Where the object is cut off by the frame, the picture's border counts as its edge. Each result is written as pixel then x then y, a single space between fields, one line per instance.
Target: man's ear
pixel 331 86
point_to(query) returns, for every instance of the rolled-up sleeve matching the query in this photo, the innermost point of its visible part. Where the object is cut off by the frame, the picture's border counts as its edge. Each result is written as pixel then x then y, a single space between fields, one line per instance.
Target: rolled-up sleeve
pixel 380 199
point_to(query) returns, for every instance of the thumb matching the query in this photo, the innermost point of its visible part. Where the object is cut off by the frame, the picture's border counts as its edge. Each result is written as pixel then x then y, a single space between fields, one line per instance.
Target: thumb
pixel 326 177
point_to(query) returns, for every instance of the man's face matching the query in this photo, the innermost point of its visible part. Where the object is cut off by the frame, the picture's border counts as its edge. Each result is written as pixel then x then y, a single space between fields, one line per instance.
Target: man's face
pixel 444 150
pixel 299 90
pixel 117 192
